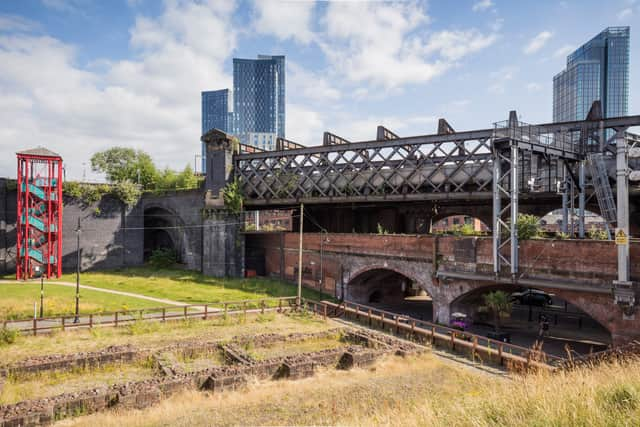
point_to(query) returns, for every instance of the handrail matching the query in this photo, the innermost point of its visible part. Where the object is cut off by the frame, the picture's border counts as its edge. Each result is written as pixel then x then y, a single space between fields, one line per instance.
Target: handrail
pixel 446 331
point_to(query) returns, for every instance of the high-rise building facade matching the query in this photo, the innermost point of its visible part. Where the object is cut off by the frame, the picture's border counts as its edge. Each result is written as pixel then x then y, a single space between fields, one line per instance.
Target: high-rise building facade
pixel 258 98
pixel 597 70
pixel 215 114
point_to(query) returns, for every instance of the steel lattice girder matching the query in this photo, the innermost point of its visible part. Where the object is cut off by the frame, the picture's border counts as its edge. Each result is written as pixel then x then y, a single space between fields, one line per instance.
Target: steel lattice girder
pixel 456 165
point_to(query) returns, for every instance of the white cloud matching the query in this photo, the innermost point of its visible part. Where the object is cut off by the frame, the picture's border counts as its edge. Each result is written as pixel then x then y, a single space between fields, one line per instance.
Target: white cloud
pixel 16 23
pixel 308 85
pixel 402 53
pixel 625 13
pixel 284 19
pixel 538 42
pixel 304 125
pixel 533 87
pixel 563 51
pixel 482 5
pixel 500 78
pixel 148 102
pixel 454 45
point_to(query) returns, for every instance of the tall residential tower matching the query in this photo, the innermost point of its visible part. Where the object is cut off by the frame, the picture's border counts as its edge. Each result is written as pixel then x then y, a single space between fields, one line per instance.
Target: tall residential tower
pixel 259 100
pixel 215 114
pixel 597 70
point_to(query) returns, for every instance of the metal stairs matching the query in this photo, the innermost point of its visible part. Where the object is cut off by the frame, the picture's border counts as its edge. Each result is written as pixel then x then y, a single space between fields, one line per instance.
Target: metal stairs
pixel 602 187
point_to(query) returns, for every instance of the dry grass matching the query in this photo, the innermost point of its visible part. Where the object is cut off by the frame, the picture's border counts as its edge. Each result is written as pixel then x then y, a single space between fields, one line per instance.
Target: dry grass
pixel 291 348
pixel 51 383
pixel 423 391
pixel 156 334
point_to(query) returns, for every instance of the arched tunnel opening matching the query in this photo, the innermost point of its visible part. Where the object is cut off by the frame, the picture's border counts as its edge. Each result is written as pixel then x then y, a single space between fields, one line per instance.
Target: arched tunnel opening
pixel 390 290
pixel 160 232
pixel 535 315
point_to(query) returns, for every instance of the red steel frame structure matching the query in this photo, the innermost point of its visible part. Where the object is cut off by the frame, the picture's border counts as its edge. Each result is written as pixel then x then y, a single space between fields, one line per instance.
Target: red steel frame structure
pixel 39 219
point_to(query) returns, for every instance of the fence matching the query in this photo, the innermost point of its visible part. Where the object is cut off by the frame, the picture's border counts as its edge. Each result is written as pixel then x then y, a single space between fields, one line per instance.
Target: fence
pixel 467 343
pixel 122 317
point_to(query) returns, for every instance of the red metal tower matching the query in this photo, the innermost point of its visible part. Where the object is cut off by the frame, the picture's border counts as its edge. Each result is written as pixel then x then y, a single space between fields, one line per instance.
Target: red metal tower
pixel 39 243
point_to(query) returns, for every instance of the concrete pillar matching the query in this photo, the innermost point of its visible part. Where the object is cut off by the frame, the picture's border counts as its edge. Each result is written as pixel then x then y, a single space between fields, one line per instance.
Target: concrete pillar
pixel 223 245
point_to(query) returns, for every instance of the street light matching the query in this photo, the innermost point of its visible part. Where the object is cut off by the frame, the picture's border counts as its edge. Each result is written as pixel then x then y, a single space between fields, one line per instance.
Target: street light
pixel 78 230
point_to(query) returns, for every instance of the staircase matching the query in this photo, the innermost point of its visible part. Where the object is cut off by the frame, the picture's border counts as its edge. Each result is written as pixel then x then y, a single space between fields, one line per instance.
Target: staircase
pixel 602 187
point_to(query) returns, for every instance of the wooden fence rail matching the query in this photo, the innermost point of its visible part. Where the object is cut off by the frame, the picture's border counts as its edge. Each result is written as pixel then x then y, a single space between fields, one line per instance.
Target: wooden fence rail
pixel 472 345
pixel 122 317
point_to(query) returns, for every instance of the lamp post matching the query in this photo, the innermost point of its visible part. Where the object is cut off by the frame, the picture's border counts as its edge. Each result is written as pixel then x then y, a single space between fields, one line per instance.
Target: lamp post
pixel 77 318
pixel 41 297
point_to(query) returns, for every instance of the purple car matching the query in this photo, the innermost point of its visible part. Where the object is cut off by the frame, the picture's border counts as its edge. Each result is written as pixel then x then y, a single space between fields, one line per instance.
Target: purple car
pixel 460 321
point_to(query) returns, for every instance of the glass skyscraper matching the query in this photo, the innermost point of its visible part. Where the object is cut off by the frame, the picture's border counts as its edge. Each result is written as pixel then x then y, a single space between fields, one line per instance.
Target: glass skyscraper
pixel 215 114
pixel 597 70
pixel 258 98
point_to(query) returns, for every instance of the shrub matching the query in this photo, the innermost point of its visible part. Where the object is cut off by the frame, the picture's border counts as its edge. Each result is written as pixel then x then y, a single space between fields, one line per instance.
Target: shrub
pixel 463 230
pixel 127 192
pixel 528 226
pixel 382 230
pixel 8 336
pixel 163 258
pixel 597 234
pixel 232 195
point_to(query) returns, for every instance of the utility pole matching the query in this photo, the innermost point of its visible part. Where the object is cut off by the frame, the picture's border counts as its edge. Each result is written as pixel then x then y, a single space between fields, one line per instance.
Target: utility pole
pixel 77 319
pixel 299 299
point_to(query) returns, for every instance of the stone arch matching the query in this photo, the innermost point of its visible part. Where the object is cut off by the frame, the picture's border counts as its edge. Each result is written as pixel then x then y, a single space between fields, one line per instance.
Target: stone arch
pixel 163 228
pixel 382 282
pixel 592 305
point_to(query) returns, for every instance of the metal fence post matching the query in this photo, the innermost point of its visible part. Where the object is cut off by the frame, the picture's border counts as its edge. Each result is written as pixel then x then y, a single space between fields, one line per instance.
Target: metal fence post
pixel 206 311
pixel 63 328
pixel 90 321
pixel 116 319
pixel 35 326
pixel 185 312
pixel 164 314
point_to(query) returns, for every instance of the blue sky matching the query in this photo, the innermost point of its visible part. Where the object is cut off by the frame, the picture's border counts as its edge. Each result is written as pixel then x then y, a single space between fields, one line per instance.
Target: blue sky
pixel 78 76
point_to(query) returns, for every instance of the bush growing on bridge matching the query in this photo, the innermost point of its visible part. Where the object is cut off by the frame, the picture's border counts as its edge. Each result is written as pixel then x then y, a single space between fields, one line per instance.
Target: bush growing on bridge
pixel 597 234
pixel 232 196
pixel 163 258
pixel 528 226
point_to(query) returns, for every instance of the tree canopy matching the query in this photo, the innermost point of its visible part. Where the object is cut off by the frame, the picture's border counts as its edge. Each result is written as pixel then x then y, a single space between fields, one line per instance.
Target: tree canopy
pixel 127 165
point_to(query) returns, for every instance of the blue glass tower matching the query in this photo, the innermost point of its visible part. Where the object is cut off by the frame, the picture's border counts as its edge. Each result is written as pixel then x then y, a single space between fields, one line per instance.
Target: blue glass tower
pixel 215 115
pixel 597 70
pixel 259 98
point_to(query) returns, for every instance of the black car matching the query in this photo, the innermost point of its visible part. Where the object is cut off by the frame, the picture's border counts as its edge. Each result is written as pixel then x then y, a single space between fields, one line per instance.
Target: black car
pixel 532 297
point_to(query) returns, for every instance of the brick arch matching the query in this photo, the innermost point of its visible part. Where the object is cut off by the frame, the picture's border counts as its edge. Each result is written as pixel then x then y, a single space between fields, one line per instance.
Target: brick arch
pixel 599 307
pixel 383 267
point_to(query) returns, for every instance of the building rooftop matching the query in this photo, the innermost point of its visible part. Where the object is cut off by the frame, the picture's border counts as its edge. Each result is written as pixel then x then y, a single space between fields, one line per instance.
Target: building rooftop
pixel 39 151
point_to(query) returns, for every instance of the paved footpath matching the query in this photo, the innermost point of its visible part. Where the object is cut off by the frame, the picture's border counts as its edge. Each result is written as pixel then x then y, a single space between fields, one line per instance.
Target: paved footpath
pixel 108 291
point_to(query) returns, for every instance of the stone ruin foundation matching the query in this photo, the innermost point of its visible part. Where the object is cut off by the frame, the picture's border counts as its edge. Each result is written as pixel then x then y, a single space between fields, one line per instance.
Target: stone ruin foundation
pixel 361 348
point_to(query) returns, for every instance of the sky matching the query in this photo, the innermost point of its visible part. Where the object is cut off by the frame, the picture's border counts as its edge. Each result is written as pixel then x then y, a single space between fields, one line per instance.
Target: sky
pixel 80 76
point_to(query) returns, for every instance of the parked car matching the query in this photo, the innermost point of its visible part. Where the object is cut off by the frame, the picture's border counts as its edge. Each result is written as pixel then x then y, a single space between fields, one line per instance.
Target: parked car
pixel 459 321
pixel 532 297
pixel 499 336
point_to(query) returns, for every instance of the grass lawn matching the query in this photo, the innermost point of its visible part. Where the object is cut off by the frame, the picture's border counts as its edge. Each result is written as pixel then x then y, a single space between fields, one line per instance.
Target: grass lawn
pixel 188 286
pixel 16 300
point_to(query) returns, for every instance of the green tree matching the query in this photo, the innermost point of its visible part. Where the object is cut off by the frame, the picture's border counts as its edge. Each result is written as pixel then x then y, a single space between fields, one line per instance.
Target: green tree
pixel 499 304
pixel 186 179
pixel 121 164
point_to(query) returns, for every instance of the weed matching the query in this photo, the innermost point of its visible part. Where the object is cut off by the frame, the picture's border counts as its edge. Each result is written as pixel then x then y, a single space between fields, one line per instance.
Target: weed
pixel 8 336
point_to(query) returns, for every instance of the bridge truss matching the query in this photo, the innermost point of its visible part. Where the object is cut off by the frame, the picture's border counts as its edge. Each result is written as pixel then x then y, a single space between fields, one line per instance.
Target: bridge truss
pixel 495 164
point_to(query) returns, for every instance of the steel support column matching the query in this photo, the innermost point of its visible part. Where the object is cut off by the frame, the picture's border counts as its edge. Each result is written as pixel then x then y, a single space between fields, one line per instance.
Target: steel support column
pixel 622 200
pixel 581 200
pixel 514 210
